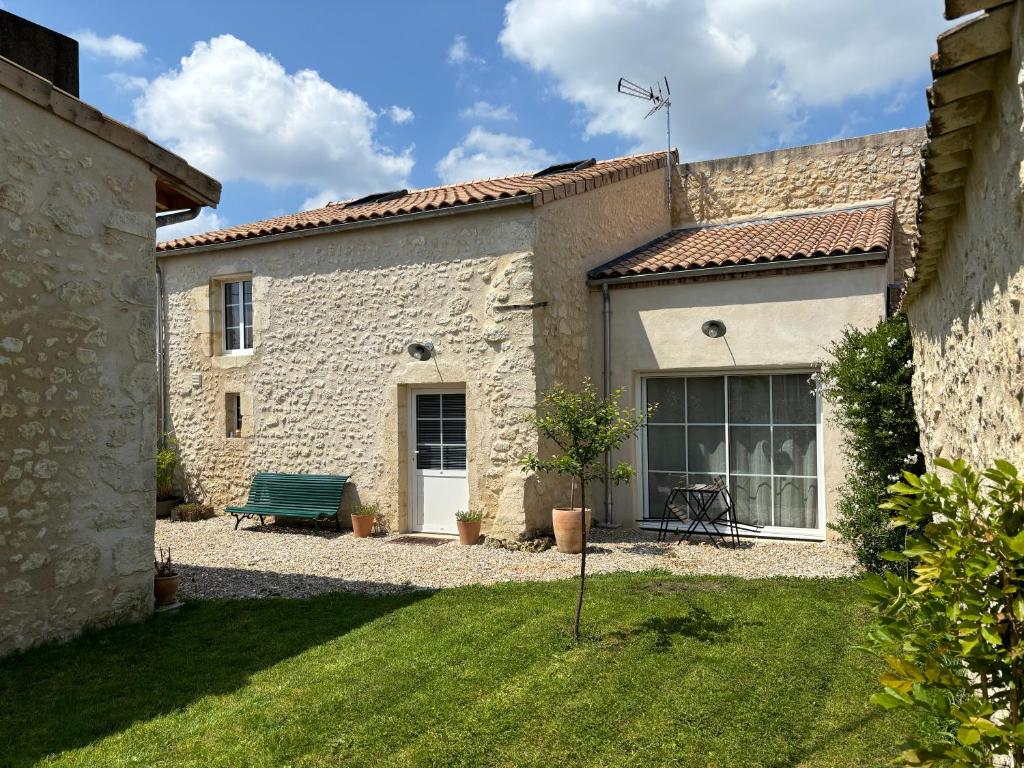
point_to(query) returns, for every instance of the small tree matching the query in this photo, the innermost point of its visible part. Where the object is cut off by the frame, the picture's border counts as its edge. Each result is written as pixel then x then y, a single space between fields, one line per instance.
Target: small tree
pixel 584 426
pixel 867 380
pixel 951 632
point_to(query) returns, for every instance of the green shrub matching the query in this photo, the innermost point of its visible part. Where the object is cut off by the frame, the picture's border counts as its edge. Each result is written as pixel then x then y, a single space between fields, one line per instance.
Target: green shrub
pixel 469 516
pixel 868 382
pixel 166 463
pixel 951 631
pixel 192 512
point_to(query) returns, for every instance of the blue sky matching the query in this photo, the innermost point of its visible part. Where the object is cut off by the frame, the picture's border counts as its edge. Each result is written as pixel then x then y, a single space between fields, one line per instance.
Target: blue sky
pixel 422 93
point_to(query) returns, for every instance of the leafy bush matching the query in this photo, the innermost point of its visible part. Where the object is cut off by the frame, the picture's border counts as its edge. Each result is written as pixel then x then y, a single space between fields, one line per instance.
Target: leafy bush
pixel 469 516
pixel 166 463
pixel 867 380
pixel 952 631
pixel 192 512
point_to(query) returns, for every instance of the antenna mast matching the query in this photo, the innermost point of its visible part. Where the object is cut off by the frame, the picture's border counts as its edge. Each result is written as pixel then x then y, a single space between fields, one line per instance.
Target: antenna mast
pixel 658 99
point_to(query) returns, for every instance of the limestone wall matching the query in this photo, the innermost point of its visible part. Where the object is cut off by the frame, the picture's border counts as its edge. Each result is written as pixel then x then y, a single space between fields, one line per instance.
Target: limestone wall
pixel 77 379
pixel 329 377
pixel 815 176
pixel 967 323
pixel 574 235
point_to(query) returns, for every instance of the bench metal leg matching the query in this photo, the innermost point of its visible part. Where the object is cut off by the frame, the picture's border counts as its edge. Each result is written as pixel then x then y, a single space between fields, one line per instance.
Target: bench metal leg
pixel 262 524
pixel 238 520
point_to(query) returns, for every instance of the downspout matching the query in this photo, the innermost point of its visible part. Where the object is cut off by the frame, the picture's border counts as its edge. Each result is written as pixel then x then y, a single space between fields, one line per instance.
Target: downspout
pixel 606 312
pixel 164 220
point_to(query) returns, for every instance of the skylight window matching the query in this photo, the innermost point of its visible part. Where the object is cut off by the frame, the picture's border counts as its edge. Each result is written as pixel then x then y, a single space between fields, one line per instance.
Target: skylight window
pixel 573 165
pixel 377 197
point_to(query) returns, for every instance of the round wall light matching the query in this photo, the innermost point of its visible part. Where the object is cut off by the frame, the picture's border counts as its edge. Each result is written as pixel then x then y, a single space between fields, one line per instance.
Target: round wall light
pixel 421 350
pixel 713 329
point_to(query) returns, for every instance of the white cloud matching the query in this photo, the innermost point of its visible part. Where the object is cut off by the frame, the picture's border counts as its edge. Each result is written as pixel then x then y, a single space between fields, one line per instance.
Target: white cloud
pixel 459 52
pixel 235 113
pixel 114 47
pixel 322 198
pixel 744 73
pixel 127 83
pixel 206 221
pixel 484 110
pixel 482 154
pixel 399 115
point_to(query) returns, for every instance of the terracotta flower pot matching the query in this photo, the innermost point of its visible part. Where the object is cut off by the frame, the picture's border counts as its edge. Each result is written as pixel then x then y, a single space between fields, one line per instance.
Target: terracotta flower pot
pixel 568 536
pixel 469 531
pixel 362 525
pixel 165 589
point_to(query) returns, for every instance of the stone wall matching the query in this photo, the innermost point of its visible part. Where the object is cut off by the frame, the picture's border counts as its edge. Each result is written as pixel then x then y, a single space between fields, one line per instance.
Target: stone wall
pixel 815 176
pixel 967 322
pixel 77 379
pixel 574 235
pixel 329 376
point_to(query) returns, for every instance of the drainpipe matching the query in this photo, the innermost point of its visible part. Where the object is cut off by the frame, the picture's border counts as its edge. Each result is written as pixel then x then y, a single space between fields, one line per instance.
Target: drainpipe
pixel 606 313
pixel 164 220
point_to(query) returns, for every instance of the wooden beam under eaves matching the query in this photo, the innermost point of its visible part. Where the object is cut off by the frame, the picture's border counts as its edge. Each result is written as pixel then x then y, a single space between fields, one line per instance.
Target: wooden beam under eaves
pixel 968 80
pixel 957 8
pixel 975 39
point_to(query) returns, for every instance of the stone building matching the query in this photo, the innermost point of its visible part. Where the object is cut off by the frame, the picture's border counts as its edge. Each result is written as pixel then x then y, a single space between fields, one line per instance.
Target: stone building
pixel 78 381
pixel 288 339
pixel 964 299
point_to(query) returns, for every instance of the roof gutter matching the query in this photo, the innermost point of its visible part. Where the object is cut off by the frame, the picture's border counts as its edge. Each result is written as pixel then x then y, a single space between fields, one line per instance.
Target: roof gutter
pixel 176 217
pixel 349 225
pixel 847 258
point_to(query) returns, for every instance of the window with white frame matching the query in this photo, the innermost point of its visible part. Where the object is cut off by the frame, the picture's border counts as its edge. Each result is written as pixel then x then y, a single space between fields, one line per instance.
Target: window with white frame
pixel 237 316
pixel 758 432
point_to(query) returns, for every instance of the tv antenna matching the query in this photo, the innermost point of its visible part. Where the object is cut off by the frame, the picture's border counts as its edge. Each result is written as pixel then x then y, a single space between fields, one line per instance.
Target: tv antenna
pixel 658 99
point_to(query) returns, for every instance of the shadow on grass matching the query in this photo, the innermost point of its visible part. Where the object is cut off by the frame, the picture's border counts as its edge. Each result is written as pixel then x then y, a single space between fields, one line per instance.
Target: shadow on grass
pixel 697 624
pixel 58 698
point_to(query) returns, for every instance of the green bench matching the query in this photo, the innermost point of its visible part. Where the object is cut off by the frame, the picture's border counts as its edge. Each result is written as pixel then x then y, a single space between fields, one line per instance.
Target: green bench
pixel 310 497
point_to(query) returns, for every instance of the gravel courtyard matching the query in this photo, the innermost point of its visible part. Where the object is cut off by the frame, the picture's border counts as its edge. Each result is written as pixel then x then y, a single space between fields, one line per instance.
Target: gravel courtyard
pixel 217 561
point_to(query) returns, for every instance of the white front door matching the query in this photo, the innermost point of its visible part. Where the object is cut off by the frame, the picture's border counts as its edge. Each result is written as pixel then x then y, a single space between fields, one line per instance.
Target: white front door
pixel 438 442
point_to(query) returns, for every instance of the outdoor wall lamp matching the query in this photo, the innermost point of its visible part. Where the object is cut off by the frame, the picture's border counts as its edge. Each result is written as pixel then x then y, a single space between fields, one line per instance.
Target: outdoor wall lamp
pixel 713 329
pixel 421 351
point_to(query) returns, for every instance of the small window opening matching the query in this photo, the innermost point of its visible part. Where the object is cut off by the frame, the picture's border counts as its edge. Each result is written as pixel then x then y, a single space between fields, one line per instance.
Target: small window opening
pixel 233 403
pixel 573 165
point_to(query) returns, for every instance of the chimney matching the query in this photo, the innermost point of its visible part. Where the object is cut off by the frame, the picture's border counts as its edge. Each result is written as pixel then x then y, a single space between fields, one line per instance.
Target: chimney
pixel 47 53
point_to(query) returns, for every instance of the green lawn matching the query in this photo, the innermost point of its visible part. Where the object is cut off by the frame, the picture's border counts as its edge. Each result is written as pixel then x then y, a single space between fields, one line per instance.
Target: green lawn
pixel 675 671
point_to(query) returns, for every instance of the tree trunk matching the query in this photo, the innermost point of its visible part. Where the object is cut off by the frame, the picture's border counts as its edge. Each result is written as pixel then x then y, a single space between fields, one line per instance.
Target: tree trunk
pixel 583 559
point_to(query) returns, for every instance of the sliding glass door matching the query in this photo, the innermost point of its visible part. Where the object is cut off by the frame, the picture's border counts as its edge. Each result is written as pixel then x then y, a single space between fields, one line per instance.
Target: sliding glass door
pixel 758 432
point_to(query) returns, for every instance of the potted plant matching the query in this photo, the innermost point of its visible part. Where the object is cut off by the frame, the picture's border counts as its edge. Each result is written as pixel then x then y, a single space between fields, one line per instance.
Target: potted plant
pixel 166 464
pixel 583 426
pixel 469 526
pixel 363 518
pixel 165 581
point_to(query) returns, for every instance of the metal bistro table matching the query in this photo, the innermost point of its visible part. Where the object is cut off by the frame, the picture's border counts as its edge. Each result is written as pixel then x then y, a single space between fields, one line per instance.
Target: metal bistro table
pixel 693 504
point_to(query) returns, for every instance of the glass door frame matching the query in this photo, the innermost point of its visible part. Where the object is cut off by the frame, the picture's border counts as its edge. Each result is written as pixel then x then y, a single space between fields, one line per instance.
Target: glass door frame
pixel 768 532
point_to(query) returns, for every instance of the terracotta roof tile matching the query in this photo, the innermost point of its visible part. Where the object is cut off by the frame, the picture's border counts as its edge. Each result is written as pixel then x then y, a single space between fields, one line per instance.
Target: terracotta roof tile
pixel 862 229
pixel 542 190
